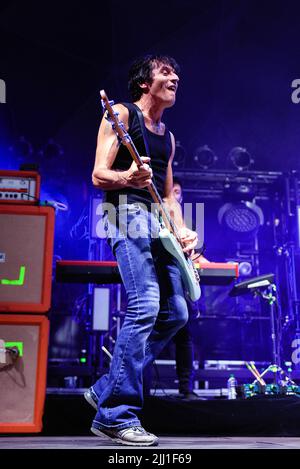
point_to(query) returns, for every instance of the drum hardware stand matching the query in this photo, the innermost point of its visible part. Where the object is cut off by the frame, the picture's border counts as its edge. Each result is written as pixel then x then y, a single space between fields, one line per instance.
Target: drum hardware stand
pixel 280 376
pixel 265 287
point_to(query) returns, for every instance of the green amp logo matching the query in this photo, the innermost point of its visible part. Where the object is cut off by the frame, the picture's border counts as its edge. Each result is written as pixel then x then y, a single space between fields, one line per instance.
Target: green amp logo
pixel 17 281
pixel 2 92
pixel 14 349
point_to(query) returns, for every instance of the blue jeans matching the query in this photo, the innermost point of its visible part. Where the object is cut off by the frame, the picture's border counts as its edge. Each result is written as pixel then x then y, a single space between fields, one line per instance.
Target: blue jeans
pixel 156 310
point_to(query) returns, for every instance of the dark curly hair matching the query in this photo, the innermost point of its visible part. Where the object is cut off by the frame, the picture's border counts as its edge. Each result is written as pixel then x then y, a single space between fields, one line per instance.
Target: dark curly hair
pixel 141 72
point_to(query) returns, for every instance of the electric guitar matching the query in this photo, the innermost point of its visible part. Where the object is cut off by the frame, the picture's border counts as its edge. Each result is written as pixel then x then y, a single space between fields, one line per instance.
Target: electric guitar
pixel 168 232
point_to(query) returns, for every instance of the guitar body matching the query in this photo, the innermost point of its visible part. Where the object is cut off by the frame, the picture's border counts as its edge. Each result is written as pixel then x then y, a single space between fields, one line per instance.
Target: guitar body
pixel 188 272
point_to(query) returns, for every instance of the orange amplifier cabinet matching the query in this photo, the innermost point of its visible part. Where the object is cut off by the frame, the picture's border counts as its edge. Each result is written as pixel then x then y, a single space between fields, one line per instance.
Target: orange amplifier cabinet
pixel 26 251
pixel 23 364
pixel 19 187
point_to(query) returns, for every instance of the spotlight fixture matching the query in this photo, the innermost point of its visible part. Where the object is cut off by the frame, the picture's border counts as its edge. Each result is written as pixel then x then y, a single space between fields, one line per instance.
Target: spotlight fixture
pixel 204 157
pixel 242 219
pixel 240 158
pixel 180 155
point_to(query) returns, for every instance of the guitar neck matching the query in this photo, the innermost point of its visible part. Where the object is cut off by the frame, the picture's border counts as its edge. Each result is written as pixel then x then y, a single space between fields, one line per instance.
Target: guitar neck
pixel 127 141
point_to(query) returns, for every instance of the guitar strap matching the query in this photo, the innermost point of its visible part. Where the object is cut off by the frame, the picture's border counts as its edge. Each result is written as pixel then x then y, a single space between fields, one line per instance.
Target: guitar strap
pixel 143 129
pixel 146 145
pixel 199 251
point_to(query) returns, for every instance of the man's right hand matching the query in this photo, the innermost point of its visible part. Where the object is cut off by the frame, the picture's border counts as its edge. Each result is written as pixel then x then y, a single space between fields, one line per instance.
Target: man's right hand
pixel 140 176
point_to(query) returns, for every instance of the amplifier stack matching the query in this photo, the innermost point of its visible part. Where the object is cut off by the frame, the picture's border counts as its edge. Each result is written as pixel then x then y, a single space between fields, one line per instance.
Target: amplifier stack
pixel 26 252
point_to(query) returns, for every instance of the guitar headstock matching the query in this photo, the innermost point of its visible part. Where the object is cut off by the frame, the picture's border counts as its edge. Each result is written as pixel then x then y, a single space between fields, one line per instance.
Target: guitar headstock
pixel 103 95
pixel 107 107
pixel 106 104
pixel 113 118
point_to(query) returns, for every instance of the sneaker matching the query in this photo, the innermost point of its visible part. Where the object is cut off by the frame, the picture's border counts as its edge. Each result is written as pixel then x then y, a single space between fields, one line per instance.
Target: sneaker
pixel 131 436
pixel 91 397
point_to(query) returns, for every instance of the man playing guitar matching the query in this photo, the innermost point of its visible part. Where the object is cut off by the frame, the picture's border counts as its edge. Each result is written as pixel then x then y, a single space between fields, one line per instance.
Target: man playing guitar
pixel 157 307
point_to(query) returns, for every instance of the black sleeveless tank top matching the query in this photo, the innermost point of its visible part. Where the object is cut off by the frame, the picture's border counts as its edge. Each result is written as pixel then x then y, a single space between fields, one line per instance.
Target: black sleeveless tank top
pixel 160 148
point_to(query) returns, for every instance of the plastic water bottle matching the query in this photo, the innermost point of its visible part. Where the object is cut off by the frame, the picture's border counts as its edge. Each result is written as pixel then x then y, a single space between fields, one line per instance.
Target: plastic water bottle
pixel 231 386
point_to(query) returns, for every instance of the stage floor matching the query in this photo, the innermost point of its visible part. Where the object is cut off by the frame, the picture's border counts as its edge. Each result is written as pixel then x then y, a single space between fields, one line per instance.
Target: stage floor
pixel 166 442
pixel 204 421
